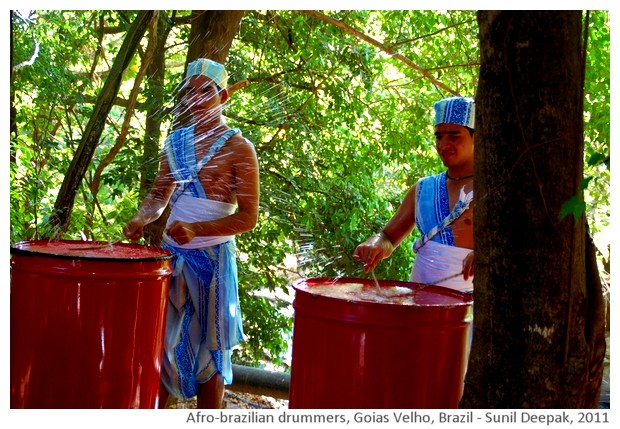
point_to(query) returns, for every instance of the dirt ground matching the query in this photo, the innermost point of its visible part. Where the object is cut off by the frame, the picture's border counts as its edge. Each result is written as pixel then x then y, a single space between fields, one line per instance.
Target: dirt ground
pixel 238 400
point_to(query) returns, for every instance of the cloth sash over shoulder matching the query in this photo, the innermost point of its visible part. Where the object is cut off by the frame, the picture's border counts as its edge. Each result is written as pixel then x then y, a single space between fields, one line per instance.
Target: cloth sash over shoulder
pixel 190 203
pixel 180 147
pixel 433 216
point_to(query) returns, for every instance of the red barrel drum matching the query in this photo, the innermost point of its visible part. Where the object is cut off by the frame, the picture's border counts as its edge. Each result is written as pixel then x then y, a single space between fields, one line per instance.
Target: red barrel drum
pixel 361 345
pixel 87 324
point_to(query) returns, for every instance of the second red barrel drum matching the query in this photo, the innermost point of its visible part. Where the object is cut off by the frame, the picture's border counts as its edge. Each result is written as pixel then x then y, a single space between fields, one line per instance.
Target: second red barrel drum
pixel 351 353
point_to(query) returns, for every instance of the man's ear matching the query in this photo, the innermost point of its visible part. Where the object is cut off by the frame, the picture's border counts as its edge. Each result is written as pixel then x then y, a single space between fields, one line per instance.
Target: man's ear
pixel 224 96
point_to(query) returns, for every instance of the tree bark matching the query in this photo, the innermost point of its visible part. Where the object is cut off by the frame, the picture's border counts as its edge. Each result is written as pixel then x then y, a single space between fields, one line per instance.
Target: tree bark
pixel 211 35
pixel 536 338
pixel 151 154
pixel 63 207
pixel 12 111
pixel 136 90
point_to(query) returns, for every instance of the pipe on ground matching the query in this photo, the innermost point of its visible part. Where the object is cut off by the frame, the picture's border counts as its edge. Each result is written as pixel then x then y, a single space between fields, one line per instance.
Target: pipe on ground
pixel 260 382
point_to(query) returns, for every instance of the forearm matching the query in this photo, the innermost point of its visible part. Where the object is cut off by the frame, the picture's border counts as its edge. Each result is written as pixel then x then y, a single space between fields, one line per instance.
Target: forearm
pixel 234 224
pixel 402 223
pixel 396 234
pixel 151 209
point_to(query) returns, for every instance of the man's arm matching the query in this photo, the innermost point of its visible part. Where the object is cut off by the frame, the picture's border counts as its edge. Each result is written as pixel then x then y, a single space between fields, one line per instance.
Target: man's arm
pixel 380 246
pixel 403 221
pixel 153 204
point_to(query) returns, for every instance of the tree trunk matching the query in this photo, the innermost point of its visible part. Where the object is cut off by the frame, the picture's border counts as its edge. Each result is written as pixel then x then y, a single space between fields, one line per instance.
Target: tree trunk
pixel 211 35
pixel 151 154
pixel 537 332
pixel 63 207
pixel 132 101
pixel 12 111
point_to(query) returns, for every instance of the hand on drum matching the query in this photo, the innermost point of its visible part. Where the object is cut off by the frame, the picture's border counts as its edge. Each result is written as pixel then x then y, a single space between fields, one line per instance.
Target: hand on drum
pixel 468 265
pixel 373 250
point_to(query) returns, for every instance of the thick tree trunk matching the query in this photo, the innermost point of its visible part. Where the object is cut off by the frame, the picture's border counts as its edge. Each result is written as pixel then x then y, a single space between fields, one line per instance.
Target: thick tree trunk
pixel 63 207
pixel 536 336
pixel 211 35
pixel 156 96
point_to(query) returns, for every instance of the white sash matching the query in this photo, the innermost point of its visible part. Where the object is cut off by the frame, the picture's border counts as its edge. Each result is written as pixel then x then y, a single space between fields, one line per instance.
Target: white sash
pixel 435 261
pixel 191 209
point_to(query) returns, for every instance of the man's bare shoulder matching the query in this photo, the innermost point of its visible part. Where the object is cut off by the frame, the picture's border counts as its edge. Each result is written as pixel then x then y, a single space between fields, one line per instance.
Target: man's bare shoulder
pixel 240 143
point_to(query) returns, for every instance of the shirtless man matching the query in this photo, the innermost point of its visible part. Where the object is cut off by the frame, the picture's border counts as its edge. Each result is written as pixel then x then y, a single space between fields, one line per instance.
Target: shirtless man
pixel 209 175
pixel 446 246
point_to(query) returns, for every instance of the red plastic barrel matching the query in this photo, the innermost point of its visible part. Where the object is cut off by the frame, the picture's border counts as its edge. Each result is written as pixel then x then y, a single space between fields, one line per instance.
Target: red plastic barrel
pixel 404 346
pixel 87 324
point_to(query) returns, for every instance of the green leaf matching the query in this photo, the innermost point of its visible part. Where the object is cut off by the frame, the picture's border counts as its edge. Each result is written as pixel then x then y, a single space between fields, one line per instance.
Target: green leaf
pixel 574 206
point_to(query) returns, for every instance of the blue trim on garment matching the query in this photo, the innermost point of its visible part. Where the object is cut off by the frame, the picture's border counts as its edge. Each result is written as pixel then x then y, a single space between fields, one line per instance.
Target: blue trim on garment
pixel 433 206
pixel 203 288
pixel 180 147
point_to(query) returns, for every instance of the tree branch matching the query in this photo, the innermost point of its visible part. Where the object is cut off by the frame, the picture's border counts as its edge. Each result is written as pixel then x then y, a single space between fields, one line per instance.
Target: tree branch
pixel 66 196
pixel 381 46
pixel 122 137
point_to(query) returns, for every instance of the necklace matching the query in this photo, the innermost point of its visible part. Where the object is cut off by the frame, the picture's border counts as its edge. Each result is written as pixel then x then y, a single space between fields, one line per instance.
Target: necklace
pixel 458 178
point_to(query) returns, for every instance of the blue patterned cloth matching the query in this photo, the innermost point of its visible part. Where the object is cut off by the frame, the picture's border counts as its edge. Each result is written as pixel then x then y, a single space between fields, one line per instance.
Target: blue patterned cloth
pixel 180 147
pixel 432 207
pixel 433 215
pixel 204 318
pixel 456 110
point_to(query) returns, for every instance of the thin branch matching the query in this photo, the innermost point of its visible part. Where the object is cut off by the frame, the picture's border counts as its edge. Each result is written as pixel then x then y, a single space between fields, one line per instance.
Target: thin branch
pixel 94 186
pixel 32 59
pixel 381 46
pixel 406 42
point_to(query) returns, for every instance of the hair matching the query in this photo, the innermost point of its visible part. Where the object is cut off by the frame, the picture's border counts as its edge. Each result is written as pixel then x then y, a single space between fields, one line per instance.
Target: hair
pixel 471 131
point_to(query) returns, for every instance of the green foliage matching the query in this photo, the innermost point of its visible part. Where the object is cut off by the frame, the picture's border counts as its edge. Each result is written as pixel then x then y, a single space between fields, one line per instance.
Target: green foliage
pixel 356 124
pixel 342 128
pixel 267 331
pixel 597 137
pixel 576 206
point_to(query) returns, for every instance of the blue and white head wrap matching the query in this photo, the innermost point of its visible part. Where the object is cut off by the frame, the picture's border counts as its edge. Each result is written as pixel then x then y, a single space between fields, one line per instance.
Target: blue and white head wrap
pixel 456 110
pixel 211 69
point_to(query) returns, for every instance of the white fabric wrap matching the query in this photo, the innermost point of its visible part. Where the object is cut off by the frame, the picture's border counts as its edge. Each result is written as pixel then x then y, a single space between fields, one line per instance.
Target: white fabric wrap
pixel 190 209
pixel 435 261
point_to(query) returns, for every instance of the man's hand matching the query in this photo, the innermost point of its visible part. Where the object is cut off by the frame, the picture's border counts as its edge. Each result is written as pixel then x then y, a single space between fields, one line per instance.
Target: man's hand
pixel 373 250
pixel 181 232
pixel 468 265
pixel 134 229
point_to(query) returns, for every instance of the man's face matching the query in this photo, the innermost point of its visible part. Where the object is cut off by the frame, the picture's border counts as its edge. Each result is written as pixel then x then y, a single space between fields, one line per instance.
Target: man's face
pixel 454 144
pixel 201 96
